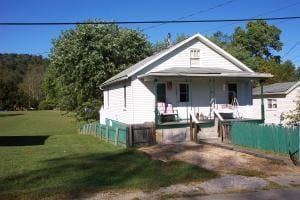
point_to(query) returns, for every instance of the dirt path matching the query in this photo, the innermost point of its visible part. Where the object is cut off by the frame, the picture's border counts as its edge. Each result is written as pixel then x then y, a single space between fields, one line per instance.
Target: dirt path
pixel 220 160
pixel 238 172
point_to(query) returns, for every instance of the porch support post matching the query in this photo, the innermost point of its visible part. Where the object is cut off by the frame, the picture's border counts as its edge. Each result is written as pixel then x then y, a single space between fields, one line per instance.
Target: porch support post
pixel 155 100
pixel 210 96
pixel 261 83
pixel 190 94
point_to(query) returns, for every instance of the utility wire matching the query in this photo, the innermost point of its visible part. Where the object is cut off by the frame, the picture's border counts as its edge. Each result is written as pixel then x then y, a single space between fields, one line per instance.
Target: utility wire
pixel 259 15
pixel 195 13
pixel 291 49
pixel 146 22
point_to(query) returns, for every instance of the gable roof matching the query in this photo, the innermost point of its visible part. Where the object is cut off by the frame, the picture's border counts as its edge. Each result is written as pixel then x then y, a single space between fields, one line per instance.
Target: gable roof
pixel 149 60
pixel 277 88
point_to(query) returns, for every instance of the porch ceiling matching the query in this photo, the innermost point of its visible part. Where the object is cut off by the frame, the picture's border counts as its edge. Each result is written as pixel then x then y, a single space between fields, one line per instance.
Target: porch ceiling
pixel 205 72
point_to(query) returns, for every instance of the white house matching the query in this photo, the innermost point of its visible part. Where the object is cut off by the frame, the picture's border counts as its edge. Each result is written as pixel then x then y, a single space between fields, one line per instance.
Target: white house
pixel 194 77
pixel 279 98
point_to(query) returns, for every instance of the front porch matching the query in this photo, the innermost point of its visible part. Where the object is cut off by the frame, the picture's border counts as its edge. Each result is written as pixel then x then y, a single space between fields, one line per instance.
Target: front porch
pixel 197 99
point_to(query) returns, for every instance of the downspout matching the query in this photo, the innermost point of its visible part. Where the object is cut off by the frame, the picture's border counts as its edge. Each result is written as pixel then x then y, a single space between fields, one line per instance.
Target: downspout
pixel 262 108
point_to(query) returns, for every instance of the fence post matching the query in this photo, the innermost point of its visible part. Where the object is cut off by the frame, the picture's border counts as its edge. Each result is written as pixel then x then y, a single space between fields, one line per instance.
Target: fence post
pixel 153 133
pixel 129 142
pixel 107 134
pixel 191 129
pixel 117 136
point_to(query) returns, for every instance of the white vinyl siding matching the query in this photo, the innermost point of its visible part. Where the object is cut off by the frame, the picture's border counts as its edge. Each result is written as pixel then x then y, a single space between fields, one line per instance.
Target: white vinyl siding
pixel 143 101
pixel 114 103
pixel 181 58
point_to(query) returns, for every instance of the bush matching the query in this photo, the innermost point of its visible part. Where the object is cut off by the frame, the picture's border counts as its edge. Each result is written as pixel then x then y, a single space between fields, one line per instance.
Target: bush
pixel 88 111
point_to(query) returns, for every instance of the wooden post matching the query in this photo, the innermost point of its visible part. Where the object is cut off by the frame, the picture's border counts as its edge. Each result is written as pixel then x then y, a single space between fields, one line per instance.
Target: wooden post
pixel 117 136
pixel 129 142
pixel 107 134
pixel 153 133
pixel 195 133
pixel 191 128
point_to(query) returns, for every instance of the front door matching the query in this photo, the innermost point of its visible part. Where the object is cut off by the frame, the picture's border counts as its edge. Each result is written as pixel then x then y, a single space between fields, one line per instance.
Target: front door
pixel 232 92
pixel 161 92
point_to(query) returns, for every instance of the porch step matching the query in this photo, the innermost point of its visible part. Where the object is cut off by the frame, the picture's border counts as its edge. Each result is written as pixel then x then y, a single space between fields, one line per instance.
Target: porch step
pixel 209 132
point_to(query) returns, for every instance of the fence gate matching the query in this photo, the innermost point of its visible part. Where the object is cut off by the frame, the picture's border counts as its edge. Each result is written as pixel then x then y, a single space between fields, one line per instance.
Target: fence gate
pixel 141 134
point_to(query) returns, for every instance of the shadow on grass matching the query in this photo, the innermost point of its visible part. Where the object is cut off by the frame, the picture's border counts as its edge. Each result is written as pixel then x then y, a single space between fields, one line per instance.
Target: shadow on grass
pixel 10 114
pixel 81 176
pixel 23 140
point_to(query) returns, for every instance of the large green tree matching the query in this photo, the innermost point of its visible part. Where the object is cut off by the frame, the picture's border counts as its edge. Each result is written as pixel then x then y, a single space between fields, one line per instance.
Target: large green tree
pixel 83 58
pixel 258 38
pixel 257 45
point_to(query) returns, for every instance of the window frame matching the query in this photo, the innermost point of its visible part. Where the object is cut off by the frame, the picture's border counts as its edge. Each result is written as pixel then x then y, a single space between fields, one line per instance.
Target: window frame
pixel 187 92
pixel 272 103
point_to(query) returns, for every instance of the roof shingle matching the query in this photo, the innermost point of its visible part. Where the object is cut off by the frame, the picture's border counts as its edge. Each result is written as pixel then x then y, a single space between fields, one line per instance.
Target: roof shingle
pixel 276 88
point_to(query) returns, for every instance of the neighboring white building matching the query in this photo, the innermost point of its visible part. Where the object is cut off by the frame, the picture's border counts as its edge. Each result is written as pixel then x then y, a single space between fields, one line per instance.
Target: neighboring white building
pixel 279 99
pixel 194 76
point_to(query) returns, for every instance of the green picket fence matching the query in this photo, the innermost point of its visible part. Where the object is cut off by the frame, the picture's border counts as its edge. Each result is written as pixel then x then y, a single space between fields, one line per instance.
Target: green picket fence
pixel 274 138
pixel 116 135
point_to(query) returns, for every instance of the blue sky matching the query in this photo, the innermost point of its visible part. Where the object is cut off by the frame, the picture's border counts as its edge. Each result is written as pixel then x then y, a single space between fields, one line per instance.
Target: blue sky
pixel 37 40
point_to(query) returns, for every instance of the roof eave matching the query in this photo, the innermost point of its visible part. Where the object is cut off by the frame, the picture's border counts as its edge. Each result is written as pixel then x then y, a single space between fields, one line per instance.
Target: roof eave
pixel 219 75
pixel 106 83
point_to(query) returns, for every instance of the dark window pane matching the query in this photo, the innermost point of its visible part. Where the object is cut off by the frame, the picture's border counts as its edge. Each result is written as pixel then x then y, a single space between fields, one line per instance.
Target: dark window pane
pixel 183 92
pixel 161 92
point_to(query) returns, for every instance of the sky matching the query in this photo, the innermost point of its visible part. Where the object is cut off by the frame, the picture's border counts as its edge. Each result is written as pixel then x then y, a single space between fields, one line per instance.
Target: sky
pixel 38 39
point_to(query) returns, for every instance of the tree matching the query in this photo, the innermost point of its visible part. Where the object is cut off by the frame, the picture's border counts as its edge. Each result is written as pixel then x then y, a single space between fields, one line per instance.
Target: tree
pixel 256 46
pixel 15 70
pixel 83 58
pixel 259 38
pixel 31 85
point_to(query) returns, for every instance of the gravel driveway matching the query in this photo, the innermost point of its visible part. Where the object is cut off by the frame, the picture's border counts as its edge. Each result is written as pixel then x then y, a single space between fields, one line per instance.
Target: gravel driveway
pixel 238 172
pixel 220 160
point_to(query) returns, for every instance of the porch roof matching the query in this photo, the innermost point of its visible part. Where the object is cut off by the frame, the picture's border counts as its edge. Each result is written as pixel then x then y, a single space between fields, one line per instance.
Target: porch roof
pixel 205 72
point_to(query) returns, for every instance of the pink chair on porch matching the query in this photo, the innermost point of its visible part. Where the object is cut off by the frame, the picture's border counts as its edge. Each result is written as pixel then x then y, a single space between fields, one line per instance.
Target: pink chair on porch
pixel 167 111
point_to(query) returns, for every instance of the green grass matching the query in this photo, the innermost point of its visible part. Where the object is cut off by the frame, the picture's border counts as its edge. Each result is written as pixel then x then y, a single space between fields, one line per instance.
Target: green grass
pixel 43 156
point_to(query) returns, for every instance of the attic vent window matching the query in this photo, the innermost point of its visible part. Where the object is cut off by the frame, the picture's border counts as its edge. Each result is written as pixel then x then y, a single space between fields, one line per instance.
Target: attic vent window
pixel 195 57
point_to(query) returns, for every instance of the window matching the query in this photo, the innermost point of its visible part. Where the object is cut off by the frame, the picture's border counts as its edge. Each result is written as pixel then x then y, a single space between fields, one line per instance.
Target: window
pixel 195 57
pixel 124 96
pixel 232 92
pixel 184 92
pixel 161 92
pixel 272 103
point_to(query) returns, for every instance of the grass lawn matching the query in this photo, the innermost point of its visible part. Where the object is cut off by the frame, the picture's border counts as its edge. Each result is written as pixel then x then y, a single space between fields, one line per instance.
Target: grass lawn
pixel 43 156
